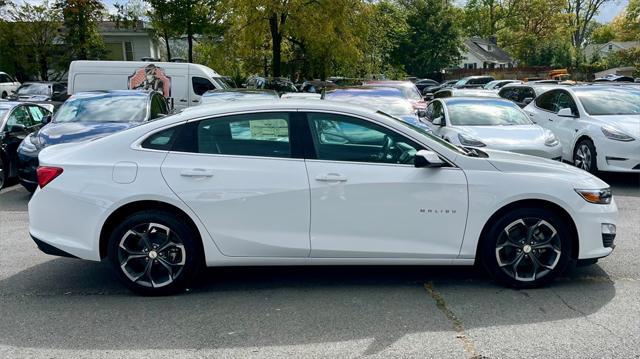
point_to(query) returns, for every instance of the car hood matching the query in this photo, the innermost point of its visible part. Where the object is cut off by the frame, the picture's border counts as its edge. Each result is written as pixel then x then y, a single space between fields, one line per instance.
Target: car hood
pixel 31 98
pixel 506 136
pixel 513 162
pixel 627 123
pixel 55 133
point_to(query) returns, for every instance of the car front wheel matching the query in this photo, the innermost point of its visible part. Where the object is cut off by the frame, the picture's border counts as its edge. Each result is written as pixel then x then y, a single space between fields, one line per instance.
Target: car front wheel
pixel 155 253
pixel 584 156
pixel 526 248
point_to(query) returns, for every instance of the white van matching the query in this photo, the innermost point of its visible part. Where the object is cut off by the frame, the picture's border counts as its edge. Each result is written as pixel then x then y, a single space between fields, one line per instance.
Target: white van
pixel 181 83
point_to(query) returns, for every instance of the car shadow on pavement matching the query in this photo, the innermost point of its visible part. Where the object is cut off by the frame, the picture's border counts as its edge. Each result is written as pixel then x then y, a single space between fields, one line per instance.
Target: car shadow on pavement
pixel 71 304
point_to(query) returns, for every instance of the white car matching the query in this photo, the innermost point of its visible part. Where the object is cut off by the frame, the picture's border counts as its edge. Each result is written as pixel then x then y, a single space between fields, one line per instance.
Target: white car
pixel 597 125
pixel 8 85
pixel 310 183
pixel 492 123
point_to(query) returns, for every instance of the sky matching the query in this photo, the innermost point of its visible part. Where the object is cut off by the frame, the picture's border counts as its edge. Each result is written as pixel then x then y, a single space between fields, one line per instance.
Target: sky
pixel 607 13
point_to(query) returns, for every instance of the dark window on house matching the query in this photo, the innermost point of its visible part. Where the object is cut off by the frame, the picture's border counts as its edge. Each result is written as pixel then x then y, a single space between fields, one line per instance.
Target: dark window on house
pixel 128 51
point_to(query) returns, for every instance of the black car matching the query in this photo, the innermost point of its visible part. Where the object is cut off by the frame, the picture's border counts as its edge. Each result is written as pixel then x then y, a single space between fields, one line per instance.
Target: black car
pixel 428 91
pixel 523 94
pixel 280 84
pixel 54 93
pixel 17 121
pixel 85 116
pixel 473 82
pixel 424 83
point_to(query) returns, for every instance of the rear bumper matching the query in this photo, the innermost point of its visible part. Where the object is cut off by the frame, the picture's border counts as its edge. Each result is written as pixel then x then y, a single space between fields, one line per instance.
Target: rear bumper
pixel 51 250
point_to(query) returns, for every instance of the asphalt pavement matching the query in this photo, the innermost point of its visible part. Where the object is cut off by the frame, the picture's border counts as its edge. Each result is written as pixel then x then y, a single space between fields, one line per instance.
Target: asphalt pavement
pixel 64 308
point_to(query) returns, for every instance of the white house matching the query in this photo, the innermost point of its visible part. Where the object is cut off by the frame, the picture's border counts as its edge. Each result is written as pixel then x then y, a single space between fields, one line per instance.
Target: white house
pixel 128 43
pixel 484 54
pixel 603 50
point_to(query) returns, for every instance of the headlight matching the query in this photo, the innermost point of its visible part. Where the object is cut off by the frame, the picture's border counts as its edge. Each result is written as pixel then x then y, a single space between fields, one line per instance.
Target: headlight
pixel 550 139
pixel 597 196
pixel 470 141
pixel 613 133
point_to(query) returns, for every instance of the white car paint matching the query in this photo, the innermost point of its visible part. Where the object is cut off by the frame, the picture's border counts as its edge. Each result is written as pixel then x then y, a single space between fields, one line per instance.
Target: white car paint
pixel 272 211
pixel 612 155
pixel 526 139
pixel 8 85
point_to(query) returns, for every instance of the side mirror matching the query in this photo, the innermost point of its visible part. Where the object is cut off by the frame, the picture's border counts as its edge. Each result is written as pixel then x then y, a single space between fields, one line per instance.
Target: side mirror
pixel 429 159
pixel 46 119
pixel 421 113
pixel 566 112
pixel 438 121
pixel 527 100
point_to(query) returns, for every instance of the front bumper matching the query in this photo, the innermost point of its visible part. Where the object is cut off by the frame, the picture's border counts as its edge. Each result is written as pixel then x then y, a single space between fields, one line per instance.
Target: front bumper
pixel 589 221
pixel 27 166
pixel 617 156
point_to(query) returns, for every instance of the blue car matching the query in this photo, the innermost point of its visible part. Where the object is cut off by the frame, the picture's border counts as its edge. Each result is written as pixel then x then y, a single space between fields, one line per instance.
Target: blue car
pixel 86 116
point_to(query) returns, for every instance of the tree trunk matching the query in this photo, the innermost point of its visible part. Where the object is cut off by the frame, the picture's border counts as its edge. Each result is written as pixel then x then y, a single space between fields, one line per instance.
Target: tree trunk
pixel 190 42
pixel 44 67
pixel 276 47
pixel 166 41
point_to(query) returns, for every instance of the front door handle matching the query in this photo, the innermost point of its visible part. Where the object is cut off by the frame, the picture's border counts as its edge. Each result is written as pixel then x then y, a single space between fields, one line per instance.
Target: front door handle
pixel 331 177
pixel 196 172
pixel 183 100
pixel 195 101
pixel 550 120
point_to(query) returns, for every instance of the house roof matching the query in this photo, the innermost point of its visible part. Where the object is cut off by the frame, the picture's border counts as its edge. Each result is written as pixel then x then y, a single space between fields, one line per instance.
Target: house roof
pixel 591 49
pixel 476 45
pixel 122 26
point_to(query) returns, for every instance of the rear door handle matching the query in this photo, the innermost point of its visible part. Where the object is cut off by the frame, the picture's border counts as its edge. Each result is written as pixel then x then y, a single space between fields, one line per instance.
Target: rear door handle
pixel 183 100
pixel 196 172
pixel 331 177
pixel 550 120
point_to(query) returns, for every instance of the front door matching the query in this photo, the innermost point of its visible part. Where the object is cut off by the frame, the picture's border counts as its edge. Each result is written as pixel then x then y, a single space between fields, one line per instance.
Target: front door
pixel 369 201
pixel 240 176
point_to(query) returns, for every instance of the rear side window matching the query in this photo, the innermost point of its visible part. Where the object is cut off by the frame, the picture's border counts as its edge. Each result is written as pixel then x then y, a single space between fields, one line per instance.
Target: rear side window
pixel 546 101
pixel 163 140
pixel 259 134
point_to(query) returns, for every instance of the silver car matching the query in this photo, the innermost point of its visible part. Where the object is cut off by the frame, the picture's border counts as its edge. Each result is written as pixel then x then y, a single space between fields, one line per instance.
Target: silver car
pixel 490 122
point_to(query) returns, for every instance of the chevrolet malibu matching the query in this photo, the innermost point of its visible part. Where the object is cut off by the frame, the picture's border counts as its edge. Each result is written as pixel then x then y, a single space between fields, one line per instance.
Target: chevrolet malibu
pixel 310 183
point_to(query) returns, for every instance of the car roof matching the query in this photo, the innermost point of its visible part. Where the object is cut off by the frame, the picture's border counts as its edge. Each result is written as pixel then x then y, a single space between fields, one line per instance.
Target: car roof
pixel 366 91
pixel 240 90
pixel 7 105
pixel 476 99
pixel 97 93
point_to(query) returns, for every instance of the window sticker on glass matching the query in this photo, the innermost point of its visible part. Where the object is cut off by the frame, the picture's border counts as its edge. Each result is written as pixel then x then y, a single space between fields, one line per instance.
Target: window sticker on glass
pixel 262 130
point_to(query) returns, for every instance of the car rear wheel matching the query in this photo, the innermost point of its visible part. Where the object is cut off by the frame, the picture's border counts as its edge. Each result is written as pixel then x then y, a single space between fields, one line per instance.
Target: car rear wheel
pixel 584 156
pixel 4 94
pixel 155 253
pixel 526 248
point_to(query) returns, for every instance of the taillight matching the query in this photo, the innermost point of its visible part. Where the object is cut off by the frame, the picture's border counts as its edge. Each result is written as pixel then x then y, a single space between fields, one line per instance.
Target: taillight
pixel 47 174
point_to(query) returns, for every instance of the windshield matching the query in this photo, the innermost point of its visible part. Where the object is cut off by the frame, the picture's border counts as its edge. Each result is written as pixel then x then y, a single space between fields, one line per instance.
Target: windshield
pixel 33 89
pixel 610 100
pixel 220 83
pixel 426 133
pixel 103 108
pixel 411 92
pixel 3 111
pixel 486 113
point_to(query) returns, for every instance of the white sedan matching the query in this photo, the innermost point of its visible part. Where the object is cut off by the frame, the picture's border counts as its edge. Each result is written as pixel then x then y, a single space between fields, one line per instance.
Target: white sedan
pixel 493 123
pixel 597 125
pixel 310 183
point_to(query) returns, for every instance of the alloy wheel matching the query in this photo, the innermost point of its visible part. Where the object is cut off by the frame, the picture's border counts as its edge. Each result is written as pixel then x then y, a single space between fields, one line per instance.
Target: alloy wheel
pixel 151 255
pixel 528 249
pixel 583 157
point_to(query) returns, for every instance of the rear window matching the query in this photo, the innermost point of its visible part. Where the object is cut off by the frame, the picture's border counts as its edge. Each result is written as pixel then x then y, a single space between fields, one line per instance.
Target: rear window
pixel 103 108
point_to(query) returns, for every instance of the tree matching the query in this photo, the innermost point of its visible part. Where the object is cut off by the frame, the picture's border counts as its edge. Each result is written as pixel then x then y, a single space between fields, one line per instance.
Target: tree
pixel 581 14
pixel 162 16
pixel 387 26
pixel 36 28
pixel 485 18
pixel 81 35
pixel 434 41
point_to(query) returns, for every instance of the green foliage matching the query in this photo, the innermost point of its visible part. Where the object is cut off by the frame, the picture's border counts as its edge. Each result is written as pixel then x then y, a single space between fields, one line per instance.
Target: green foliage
pixel 433 42
pixel 81 37
pixel 28 39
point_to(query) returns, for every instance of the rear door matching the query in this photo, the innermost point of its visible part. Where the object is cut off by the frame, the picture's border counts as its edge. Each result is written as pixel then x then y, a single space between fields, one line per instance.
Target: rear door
pixel 242 176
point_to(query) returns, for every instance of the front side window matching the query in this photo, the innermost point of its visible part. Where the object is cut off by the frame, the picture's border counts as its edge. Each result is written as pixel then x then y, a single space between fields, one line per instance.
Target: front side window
pixel 37 113
pixel 263 134
pixel 343 138
pixel 564 100
pixel 201 85
pixel 19 116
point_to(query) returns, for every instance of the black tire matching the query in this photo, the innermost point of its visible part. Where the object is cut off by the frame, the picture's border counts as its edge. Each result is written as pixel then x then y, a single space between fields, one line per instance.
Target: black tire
pixel 3 174
pixel 4 94
pixel 585 156
pixel 501 263
pixel 184 256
